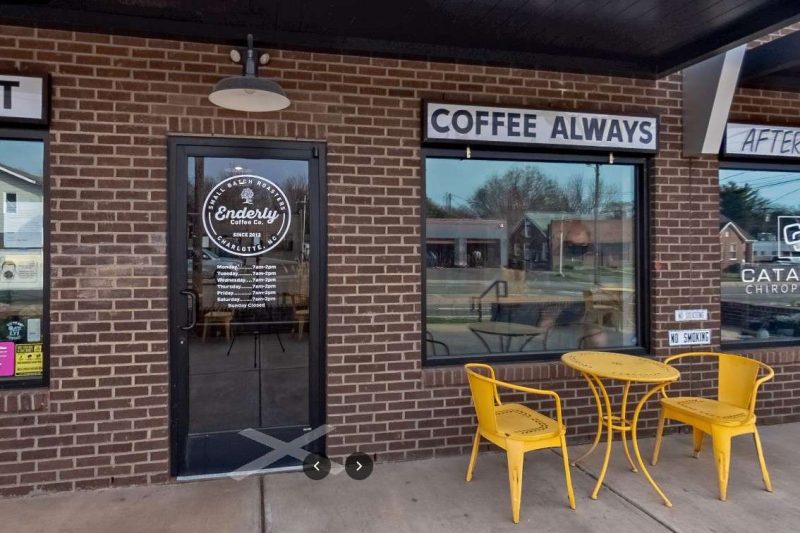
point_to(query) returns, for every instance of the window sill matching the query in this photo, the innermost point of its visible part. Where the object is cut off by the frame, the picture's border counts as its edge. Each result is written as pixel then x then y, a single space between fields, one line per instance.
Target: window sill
pixel 523 358
pixel 24 400
pixel 445 376
pixel 770 353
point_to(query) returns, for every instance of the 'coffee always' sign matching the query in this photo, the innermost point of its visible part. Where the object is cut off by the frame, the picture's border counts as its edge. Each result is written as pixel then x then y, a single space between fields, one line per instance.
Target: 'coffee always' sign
pixel 23 99
pixel 465 124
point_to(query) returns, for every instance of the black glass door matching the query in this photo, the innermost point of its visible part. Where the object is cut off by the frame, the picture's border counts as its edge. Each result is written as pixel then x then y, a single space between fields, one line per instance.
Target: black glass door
pixel 245 296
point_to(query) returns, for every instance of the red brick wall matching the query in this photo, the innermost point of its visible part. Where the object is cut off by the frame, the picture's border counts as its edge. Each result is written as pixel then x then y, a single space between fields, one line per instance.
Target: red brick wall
pixel 104 419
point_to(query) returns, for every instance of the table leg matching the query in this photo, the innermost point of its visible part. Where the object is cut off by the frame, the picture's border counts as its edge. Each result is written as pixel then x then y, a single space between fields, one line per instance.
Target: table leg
pixel 634 424
pixel 483 341
pixel 599 421
pixel 610 431
pixel 624 424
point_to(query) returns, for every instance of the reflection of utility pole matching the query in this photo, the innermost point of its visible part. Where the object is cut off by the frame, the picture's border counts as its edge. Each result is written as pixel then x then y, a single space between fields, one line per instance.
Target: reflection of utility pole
pixel 561 249
pixel 448 201
pixel 197 230
pixel 302 212
pixel 596 208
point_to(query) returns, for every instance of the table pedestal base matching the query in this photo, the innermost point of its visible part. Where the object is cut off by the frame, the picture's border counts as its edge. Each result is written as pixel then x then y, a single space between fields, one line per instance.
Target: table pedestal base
pixel 610 423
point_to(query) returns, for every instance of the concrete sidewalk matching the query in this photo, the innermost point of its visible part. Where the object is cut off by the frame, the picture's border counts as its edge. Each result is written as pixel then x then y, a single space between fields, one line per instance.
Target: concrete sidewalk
pixel 431 496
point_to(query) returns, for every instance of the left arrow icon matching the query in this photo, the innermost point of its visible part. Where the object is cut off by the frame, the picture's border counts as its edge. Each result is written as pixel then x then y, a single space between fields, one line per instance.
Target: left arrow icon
pixel 316 466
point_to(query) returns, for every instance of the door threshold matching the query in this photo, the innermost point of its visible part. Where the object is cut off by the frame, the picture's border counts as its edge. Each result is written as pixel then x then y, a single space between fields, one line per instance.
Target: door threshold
pixel 234 475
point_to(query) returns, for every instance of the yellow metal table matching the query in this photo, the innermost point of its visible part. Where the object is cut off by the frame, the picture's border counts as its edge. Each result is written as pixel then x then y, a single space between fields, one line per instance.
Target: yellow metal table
pixel 628 369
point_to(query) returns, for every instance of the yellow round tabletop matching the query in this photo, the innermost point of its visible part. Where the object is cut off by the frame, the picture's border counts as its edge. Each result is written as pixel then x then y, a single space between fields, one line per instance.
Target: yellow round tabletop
pixel 620 366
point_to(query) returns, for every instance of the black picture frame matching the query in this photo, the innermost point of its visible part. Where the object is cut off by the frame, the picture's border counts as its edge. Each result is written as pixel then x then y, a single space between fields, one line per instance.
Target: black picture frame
pixel 43 136
pixel 642 239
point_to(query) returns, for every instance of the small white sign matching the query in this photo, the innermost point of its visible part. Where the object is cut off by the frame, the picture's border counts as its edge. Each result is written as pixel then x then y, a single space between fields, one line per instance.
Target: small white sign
pixel 687 315
pixel 23 98
pixel 546 127
pixel 34 330
pixel 689 337
pixel 762 140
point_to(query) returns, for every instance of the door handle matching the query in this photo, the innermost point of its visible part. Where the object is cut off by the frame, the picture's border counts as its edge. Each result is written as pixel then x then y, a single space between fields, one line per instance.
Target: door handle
pixel 192 296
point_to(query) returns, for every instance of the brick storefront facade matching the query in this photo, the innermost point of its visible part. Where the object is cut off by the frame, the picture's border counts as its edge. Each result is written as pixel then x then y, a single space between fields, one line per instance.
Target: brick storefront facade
pixel 104 419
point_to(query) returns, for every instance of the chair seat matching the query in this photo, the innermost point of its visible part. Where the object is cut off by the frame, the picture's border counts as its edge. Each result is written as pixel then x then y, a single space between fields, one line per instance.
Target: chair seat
pixel 709 410
pixel 516 420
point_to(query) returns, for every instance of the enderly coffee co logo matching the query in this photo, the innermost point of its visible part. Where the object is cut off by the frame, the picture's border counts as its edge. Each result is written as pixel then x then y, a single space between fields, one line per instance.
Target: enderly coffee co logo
pixel 246 215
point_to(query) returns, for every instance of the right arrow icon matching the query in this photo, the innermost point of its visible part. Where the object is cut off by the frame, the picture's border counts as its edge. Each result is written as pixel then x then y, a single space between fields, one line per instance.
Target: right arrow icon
pixel 358 466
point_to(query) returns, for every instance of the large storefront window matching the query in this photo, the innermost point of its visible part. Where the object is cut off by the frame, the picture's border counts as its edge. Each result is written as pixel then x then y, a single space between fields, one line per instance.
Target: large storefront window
pixel 22 316
pixel 760 255
pixel 528 257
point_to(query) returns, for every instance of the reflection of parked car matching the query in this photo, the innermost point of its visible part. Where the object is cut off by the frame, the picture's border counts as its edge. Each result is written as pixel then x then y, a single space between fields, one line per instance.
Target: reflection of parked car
pixel 211 262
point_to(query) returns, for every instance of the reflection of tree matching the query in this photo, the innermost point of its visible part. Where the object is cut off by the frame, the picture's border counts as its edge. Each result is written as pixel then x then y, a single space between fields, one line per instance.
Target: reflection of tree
pixel 435 210
pixel 580 196
pixel 617 209
pixel 520 189
pixel 748 209
pixel 296 190
pixel 526 188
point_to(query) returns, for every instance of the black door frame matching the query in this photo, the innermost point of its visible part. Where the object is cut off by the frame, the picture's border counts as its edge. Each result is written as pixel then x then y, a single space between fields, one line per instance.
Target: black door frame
pixel 181 147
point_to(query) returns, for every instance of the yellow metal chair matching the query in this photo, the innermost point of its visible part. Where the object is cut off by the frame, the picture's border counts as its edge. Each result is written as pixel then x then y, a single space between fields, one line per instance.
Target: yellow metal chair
pixel 730 415
pixel 515 428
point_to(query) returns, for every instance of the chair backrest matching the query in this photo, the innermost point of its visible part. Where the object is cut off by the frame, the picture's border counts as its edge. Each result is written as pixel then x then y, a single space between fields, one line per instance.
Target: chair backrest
pixel 484 395
pixel 737 379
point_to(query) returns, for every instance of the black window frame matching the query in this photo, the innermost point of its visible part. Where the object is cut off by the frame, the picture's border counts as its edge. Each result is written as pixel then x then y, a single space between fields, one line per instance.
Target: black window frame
pixel 641 240
pixel 42 135
pixel 732 163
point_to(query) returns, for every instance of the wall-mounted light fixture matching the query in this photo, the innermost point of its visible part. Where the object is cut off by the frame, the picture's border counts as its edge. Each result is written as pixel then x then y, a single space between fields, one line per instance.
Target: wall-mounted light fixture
pixel 248 92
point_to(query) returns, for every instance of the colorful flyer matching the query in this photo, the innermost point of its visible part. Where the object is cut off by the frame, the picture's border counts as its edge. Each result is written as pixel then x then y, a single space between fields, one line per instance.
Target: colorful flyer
pixel 6 359
pixel 29 360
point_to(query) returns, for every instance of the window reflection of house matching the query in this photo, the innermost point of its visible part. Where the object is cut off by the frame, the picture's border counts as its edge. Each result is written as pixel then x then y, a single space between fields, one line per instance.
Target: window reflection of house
pixel 573 241
pixel 21 215
pixel 528 239
pixel 765 247
pixel 764 251
pixel 465 242
pixel 736 245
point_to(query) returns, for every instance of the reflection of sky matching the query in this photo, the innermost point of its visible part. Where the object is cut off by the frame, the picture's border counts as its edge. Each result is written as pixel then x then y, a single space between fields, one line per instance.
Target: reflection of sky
pixel 462 177
pixel 781 189
pixel 276 170
pixel 27 156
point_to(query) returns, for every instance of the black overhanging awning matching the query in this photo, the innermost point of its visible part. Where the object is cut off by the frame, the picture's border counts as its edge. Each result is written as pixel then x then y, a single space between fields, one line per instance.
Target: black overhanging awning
pixel 643 38
pixel 775 65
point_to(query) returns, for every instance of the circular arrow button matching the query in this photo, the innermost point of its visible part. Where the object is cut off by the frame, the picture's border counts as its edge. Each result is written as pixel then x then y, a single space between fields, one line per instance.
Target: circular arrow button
pixel 316 466
pixel 358 466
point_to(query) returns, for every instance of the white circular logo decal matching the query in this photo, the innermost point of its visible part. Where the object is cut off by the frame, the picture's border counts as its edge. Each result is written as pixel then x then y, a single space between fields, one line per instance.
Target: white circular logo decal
pixel 246 215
